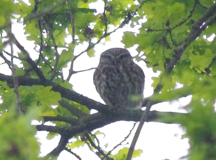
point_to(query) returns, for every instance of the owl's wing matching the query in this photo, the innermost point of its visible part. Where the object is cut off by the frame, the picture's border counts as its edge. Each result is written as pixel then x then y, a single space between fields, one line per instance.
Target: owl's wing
pixel 138 77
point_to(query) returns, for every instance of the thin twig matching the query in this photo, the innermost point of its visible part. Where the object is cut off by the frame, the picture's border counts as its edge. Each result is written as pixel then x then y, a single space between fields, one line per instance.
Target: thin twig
pixel 49 9
pixel 207 69
pixel 19 109
pixel 105 16
pixel 143 119
pixel 41 57
pixel 178 24
pixel 188 17
pixel 84 70
pixel 72 21
pixel 96 138
pixel 40 22
pixel 6 60
pixel 14 56
pixel 28 58
pixel 55 69
pixel 125 138
pixel 74 154
pixel 100 153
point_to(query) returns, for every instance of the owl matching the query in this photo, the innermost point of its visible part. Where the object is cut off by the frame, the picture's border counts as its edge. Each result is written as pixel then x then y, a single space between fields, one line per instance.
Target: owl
pixel 118 80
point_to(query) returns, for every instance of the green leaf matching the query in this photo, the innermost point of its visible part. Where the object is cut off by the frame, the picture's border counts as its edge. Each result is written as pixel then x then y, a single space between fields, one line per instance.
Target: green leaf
pixel 206 3
pixel 19 145
pixel 76 144
pixel 91 52
pixel 175 11
pixel 122 154
pixel 32 31
pixel 129 39
pixel 201 61
pixel 51 135
pixel 2 20
pixel 99 133
pixel 201 130
pixel 7 96
pixel 65 57
pixel 40 97
pixel 7 8
pixel 137 153
pixel 172 94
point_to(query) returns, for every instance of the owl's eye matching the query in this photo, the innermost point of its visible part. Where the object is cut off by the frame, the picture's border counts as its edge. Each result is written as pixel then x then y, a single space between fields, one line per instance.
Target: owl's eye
pixel 124 56
pixel 107 57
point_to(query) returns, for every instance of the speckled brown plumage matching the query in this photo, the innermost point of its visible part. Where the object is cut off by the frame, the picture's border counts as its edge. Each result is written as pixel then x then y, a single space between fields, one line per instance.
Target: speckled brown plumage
pixel 118 80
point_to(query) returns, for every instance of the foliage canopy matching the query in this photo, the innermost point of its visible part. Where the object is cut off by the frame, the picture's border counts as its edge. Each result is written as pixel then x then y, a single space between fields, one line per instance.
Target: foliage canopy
pixel 175 38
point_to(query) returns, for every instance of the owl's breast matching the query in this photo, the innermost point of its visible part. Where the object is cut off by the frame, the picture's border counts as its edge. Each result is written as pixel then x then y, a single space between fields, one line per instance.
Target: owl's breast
pixel 118 86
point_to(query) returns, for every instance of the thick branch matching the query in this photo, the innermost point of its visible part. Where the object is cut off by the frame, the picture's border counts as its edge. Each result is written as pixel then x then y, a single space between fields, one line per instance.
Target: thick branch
pixel 53 129
pixel 60 118
pixel 66 93
pixel 99 120
pixel 94 121
pixel 61 146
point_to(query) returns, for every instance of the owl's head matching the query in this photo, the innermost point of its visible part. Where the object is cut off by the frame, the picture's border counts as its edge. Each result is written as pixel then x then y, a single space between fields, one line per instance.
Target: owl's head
pixel 115 56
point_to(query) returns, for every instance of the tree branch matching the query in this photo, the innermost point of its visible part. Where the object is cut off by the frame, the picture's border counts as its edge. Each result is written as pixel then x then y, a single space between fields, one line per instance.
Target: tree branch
pixel 178 24
pixel 28 58
pixel 66 93
pixel 99 120
pixel 19 109
pixel 60 147
pixel 119 144
pixel 64 119
pixel 144 117
pixel 5 60
pixel 54 129
pixel 93 121
pixel 74 154
pixel 100 153
pixel 199 26
pixel 91 104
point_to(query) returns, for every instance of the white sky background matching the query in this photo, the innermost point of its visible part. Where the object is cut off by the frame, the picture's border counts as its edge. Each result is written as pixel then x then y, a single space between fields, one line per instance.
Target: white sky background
pixel 157 140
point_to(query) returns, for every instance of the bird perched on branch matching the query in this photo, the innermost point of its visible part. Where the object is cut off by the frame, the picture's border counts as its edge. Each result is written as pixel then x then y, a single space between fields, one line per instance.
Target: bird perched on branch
pixel 118 80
